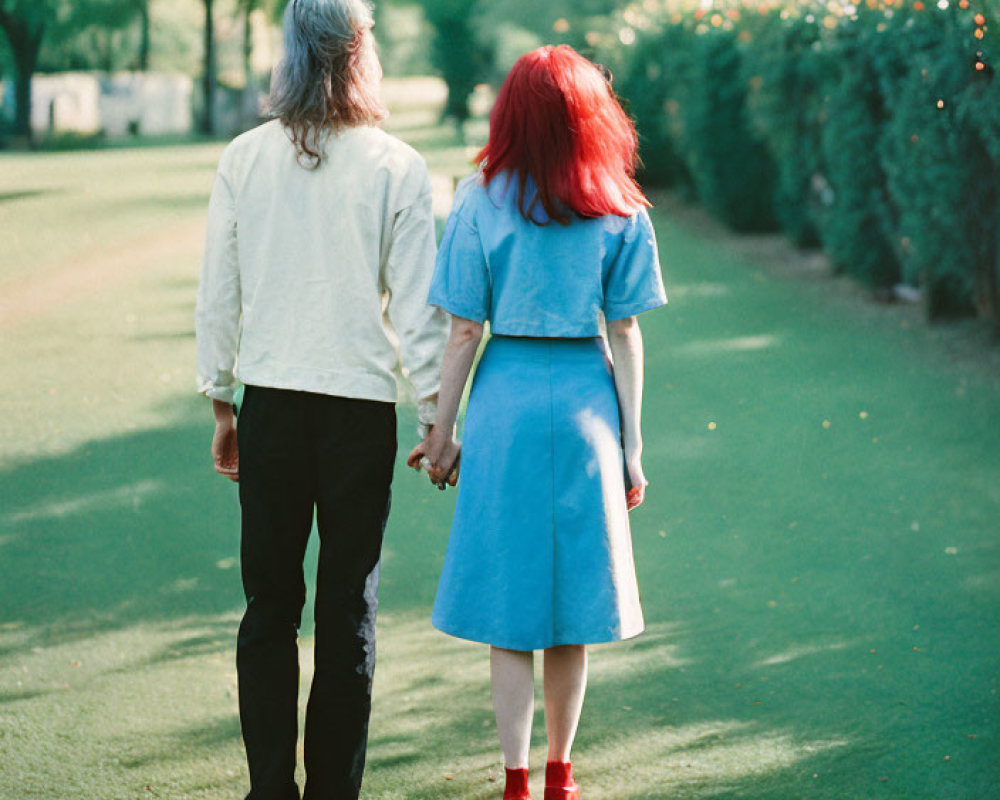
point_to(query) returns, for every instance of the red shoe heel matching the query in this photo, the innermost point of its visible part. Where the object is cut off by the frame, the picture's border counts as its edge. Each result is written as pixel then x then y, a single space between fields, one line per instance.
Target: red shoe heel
pixel 559 783
pixel 516 787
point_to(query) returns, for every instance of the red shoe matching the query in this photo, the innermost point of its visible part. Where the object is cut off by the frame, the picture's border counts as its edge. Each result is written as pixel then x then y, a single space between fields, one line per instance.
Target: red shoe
pixel 517 785
pixel 559 783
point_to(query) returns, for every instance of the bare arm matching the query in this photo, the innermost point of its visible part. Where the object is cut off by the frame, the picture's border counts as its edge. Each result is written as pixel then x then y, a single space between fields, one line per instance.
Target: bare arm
pixel 439 446
pixel 625 340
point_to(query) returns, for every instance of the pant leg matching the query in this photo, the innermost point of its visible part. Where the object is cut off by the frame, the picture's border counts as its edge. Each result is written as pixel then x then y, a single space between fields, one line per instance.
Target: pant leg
pixel 277 495
pixel 356 447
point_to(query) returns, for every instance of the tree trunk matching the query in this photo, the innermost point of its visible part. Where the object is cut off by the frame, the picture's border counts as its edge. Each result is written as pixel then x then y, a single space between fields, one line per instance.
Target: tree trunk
pixel 248 45
pixel 22 103
pixel 144 35
pixel 24 44
pixel 208 78
pixel 107 50
pixel 456 54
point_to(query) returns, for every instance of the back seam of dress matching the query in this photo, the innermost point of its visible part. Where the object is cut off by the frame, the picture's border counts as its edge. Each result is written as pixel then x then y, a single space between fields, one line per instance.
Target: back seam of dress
pixel 555 516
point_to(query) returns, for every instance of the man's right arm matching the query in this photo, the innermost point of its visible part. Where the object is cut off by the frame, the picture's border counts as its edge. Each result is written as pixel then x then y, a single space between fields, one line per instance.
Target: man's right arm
pixel 217 315
pixel 407 272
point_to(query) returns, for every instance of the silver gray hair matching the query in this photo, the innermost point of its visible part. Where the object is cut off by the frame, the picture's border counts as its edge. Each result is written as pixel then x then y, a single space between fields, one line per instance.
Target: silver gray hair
pixel 329 76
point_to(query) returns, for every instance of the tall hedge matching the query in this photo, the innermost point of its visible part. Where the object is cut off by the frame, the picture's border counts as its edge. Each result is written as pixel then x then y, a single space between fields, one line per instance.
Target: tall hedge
pixel 872 130
pixel 733 171
pixel 857 222
pixel 784 76
pixel 651 76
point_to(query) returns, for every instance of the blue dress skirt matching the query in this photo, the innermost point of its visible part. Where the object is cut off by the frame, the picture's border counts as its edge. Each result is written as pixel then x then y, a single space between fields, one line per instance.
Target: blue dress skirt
pixel 540 552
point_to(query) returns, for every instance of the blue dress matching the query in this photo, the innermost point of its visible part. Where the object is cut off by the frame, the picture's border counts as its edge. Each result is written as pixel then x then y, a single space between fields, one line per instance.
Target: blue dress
pixel 540 551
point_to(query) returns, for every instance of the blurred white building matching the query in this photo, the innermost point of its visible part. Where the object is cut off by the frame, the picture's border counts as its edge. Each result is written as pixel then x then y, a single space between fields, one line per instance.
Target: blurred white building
pixel 122 104
pixel 146 103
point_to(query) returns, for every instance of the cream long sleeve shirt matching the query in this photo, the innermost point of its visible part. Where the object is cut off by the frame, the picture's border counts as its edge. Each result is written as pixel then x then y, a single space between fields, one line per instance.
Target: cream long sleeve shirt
pixel 317 280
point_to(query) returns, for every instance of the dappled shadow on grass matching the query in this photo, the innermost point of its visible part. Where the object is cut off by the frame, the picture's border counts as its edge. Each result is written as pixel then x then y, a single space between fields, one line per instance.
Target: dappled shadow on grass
pixel 17 697
pixel 27 194
pixel 433 734
pixel 135 531
pixel 178 745
pixel 127 529
pixel 192 639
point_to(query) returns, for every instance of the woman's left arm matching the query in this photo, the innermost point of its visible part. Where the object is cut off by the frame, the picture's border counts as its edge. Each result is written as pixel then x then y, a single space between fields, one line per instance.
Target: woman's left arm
pixel 625 341
pixel 633 285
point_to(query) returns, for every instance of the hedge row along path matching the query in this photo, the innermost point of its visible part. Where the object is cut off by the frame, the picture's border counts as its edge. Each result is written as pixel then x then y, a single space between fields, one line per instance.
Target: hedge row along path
pixel 818 555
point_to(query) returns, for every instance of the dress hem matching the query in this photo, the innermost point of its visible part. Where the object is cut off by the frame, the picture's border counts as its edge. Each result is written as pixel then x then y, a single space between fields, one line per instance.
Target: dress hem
pixel 507 645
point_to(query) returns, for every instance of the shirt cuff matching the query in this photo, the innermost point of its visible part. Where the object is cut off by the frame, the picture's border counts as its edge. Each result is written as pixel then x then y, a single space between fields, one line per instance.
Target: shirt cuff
pixel 225 394
pixel 616 311
pixel 458 309
pixel 426 412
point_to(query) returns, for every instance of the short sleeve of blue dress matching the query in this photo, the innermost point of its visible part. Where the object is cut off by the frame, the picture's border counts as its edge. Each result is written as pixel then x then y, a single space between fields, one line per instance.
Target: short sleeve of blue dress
pixel 461 283
pixel 632 282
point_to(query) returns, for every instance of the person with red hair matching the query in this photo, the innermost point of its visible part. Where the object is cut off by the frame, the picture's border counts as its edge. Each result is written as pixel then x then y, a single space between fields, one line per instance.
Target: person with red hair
pixel 550 235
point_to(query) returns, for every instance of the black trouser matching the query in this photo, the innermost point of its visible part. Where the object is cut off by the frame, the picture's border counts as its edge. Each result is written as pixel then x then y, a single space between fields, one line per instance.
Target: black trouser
pixel 299 452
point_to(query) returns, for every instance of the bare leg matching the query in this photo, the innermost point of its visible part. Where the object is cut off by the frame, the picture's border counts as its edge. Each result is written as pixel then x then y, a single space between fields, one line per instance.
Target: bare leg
pixel 513 679
pixel 565 683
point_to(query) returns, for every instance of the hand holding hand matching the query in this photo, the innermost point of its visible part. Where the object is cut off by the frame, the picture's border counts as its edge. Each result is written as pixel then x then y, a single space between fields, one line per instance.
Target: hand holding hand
pixel 439 454
pixel 225 452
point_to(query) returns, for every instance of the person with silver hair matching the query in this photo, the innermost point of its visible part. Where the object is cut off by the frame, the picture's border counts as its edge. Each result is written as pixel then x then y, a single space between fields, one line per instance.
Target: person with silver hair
pixel 318 261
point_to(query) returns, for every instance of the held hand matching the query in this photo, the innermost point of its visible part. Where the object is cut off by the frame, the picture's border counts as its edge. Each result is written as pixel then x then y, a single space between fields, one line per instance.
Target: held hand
pixel 225 453
pixel 440 456
pixel 637 494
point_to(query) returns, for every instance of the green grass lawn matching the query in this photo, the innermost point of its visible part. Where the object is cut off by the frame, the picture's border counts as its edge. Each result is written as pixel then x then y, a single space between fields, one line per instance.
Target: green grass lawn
pixel 818 555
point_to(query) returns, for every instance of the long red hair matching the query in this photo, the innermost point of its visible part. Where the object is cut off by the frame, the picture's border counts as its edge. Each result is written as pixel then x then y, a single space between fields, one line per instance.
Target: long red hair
pixel 557 120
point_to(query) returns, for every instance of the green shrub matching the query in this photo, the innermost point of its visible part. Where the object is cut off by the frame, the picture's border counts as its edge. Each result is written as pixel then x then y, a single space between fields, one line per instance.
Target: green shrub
pixel 868 128
pixel 731 169
pixel 647 79
pixel 784 73
pixel 857 222
pixel 978 109
pixel 924 151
